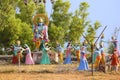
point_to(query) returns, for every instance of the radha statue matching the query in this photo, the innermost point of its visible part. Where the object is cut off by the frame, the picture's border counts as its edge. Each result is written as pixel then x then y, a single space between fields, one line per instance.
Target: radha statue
pixel 45 57
pixel 83 61
pixel 29 59
pixel 68 54
pixel 115 44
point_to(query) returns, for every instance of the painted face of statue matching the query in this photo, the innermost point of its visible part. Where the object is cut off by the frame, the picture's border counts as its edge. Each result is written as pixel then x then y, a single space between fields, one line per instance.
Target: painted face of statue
pixel 40 25
pixel 41 20
pixel 18 42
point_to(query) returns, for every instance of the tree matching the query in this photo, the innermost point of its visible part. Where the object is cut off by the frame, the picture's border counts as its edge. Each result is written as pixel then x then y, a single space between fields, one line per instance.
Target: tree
pixel 76 28
pixel 26 35
pixel 26 11
pixel 41 8
pixel 13 28
pixel 60 15
pixel 9 25
pixel 91 31
pixel 60 21
pixel 56 34
pixel 81 25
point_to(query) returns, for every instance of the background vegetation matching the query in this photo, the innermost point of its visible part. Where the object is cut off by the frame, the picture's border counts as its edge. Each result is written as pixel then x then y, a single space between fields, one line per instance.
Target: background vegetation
pixel 64 25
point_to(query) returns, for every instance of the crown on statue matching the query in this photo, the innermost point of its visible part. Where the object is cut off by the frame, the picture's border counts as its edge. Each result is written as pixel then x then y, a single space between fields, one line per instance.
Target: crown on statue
pixel 41 18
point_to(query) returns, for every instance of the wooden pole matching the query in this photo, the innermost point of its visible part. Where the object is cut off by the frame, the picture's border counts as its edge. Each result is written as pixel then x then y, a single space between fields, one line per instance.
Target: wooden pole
pixel 100 35
pixel 86 39
pixel 19 61
pixel 92 48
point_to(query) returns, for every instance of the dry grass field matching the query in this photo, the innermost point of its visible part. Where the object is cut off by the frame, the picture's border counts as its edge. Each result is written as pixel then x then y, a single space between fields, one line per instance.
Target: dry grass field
pixel 52 72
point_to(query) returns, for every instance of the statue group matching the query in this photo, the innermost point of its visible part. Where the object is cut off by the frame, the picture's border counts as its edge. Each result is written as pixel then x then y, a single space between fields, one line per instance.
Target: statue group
pixel 40 29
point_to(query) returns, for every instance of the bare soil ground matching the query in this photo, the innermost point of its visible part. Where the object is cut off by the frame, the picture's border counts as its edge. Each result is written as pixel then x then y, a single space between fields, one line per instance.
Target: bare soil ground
pixel 52 72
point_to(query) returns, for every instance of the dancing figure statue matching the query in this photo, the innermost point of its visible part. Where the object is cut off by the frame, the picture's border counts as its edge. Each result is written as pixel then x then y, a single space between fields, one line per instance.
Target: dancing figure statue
pixel 60 54
pixel 115 44
pixel 77 50
pixel 17 52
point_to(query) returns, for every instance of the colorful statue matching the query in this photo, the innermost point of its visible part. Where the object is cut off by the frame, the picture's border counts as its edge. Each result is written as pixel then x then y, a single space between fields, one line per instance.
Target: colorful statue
pixel 97 51
pixel 14 58
pixel 17 52
pixel 102 61
pixel 68 54
pixel 45 57
pixel 102 40
pixel 115 44
pixel 115 61
pixel 28 59
pixel 97 61
pixel 60 55
pixel 40 30
pixel 83 61
pixel 77 50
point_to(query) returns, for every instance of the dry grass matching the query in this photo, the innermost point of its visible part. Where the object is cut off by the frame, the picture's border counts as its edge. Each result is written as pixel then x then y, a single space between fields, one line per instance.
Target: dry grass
pixel 52 72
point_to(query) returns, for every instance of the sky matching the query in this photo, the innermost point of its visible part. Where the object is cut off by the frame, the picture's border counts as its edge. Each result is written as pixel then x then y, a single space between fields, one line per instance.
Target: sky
pixel 107 12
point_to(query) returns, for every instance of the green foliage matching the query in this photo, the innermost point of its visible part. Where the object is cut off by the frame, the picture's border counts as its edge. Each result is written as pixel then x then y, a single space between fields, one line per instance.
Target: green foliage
pixel 81 25
pixel 5 12
pixel 63 24
pixel 76 29
pixel 11 32
pixel 56 34
pixel 41 8
pixel 10 26
pixel 79 22
pixel 61 20
pixel 14 27
pixel 91 31
pixel 60 16
pixel 83 14
pixel 26 11
pixel 26 35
